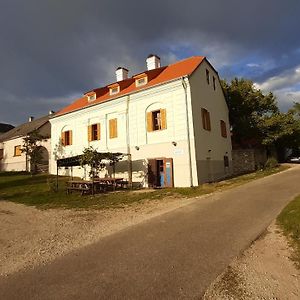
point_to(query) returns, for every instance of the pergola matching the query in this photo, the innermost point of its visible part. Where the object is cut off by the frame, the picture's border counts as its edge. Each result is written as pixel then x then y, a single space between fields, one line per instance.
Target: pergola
pixel 75 161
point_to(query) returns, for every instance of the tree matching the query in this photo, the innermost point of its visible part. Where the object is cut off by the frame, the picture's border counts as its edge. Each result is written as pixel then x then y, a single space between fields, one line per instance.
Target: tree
pixel 32 149
pixel 256 119
pixel 97 160
pixel 247 105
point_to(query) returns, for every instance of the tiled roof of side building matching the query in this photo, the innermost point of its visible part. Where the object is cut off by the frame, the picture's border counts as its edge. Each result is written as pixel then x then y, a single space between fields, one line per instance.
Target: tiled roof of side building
pixel 155 77
pixel 24 129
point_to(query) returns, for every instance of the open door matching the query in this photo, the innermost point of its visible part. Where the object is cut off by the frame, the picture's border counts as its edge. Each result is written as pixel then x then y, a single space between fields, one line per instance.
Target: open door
pixel 160 172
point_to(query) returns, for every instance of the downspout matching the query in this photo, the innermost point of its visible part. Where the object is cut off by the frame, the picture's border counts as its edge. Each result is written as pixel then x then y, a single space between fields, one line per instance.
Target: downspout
pixel 128 143
pixel 188 129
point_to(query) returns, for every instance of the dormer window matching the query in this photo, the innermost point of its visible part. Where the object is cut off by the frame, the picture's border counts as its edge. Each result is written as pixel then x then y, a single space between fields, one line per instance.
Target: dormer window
pixel 141 81
pixel 114 90
pixel 91 97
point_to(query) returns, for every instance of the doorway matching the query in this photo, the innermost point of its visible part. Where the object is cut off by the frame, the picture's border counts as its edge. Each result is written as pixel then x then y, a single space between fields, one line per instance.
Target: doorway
pixel 160 172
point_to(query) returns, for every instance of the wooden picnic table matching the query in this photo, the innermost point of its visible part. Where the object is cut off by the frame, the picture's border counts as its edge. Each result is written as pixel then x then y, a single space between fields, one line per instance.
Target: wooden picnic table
pixel 97 185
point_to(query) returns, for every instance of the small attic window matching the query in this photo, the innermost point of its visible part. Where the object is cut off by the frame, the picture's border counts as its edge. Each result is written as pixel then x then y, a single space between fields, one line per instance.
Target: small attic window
pixel 114 90
pixel 91 97
pixel 141 81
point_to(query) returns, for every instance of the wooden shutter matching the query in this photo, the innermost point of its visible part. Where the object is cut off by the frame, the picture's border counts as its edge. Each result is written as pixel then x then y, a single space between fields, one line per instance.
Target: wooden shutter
pixel 223 129
pixel 163 117
pixel 89 133
pixel 203 117
pixel 208 121
pixel 70 137
pixel 149 121
pixel 113 128
pixel 98 131
pixel 152 172
pixel 63 140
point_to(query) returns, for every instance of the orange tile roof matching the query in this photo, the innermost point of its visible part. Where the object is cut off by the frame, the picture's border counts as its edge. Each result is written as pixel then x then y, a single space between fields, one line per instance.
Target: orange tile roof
pixel 127 86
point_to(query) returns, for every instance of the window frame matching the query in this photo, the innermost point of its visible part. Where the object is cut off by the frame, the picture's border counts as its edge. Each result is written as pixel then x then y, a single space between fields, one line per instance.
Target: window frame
pixel 205 115
pixel 17 151
pixel 67 139
pixel 138 83
pixel 223 128
pixel 156 120
pixel 114 90
pixel 207 76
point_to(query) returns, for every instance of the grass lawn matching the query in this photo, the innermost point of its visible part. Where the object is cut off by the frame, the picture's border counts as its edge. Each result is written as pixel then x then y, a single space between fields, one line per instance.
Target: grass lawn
pixel 289 220
pixel 35 190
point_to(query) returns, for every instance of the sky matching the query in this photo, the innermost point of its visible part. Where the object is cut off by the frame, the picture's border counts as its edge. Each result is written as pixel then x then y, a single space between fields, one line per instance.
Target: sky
pixel 52 51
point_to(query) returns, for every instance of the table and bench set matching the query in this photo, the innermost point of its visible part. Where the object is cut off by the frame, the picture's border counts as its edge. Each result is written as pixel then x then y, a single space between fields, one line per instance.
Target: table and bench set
pixel 96 186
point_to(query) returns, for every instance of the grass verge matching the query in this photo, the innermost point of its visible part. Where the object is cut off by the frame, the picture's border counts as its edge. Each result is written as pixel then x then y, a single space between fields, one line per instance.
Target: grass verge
pixel 289 221
pixel 36 191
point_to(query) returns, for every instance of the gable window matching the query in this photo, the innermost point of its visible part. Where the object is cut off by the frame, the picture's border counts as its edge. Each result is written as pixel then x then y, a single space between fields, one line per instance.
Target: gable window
pixel 66 138
pixel 114 90
pixel 205 119
pixel 207 76
pixel 17 150
pixel 156 120
pixel 223 129
pixel 113 128
pixel 94 132
pixel 141 81
pixel 214 82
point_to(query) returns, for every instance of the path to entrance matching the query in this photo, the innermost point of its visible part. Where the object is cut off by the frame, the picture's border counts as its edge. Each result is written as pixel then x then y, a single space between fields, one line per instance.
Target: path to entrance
pixel 173 256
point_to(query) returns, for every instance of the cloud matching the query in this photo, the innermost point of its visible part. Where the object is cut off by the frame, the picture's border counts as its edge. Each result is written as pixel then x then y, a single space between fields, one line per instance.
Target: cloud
pixel 54 49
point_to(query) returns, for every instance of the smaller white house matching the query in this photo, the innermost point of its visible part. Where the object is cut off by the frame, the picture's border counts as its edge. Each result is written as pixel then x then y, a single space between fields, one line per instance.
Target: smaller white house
pixel 11 156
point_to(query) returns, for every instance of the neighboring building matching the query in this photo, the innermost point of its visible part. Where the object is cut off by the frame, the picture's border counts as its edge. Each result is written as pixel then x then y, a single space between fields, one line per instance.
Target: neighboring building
pixel 172 120
pixel 11 157
pixel 5 127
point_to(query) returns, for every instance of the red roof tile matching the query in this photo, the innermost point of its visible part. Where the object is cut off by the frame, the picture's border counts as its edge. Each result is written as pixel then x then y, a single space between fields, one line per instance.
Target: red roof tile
pixel 155 77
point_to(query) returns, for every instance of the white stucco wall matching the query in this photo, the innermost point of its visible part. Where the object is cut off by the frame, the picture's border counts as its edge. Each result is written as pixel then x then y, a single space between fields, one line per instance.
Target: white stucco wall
pixel 210 164
pixel 151 144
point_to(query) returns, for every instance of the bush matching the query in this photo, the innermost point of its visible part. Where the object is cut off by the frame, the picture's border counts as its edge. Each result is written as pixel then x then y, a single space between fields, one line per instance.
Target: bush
pixel 271 163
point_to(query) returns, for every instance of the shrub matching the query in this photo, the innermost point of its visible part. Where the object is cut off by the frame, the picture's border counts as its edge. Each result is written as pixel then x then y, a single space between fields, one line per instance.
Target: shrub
pixel 271 163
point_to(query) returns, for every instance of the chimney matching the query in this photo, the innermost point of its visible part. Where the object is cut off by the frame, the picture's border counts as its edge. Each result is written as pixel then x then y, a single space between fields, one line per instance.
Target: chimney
pixel 121 74
pixel 30 119
pixel 51 112
pixel 153 62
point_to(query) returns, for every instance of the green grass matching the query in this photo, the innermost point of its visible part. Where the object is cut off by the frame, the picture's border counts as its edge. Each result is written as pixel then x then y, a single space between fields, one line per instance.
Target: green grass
pixel 36 191
pixel 289 220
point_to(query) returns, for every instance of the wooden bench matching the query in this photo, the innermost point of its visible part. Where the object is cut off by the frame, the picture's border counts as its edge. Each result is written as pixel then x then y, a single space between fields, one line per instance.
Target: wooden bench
pixel 87 189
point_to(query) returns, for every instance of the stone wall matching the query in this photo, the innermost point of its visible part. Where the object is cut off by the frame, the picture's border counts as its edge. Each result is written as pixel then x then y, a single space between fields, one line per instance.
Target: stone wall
pixel 248 160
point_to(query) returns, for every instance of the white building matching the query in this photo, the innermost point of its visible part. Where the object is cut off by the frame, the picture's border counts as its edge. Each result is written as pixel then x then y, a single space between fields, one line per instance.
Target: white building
pixel 11 142
pixel 173 120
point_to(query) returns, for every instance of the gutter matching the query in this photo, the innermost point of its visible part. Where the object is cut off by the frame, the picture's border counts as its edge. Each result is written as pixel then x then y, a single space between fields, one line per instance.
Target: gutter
pixel 184 85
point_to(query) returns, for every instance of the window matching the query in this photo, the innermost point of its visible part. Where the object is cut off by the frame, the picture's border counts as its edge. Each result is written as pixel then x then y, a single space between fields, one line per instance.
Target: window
pixel 223 129
pixel 226 161
pixel 205 119
pixel 66 138
pixel 94 132
pixel 91 97
pixel 207 76
pixel 156 120
pixel 214 82
pixel 1 154
pixel 141 81
pixel 114 90
pixel 17 150
pixel 113 128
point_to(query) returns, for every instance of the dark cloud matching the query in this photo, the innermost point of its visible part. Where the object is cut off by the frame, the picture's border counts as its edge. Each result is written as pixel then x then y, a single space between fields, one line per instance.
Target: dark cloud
pixel 54 50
